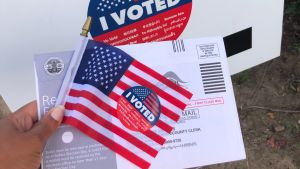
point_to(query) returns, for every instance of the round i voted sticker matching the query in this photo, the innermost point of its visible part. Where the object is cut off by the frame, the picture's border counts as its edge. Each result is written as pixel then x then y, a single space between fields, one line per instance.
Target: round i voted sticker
pixel 119 22
pixel 138 109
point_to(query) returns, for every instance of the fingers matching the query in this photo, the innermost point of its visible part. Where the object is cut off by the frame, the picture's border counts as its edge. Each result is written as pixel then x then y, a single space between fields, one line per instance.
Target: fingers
pixel 29 110
pixel 24 118
pixel 49 124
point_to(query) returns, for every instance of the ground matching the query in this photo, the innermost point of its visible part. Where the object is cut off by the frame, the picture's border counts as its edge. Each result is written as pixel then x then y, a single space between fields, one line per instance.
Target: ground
pixel 269 112
pixel 268 101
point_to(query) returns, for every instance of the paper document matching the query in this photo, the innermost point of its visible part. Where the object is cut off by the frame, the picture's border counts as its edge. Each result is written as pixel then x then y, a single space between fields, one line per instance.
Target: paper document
pixel 209 129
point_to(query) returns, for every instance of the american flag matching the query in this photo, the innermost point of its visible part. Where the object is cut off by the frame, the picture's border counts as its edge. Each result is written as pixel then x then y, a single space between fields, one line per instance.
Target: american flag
pixel 104 74
pixel 149 99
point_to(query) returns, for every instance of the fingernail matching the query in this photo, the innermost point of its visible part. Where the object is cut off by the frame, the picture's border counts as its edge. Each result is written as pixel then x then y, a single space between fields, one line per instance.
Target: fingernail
pixel 57 113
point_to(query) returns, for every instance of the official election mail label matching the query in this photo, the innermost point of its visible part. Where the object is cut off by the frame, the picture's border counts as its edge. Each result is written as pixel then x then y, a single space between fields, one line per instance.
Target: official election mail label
pixel 120 22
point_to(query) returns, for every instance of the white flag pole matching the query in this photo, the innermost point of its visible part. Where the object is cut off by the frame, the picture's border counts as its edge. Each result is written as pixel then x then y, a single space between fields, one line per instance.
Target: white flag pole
pixel 74 62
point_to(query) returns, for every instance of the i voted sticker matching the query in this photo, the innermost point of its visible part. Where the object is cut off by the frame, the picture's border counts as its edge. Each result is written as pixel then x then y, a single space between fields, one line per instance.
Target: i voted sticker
pixel 119 22
pixel 139 109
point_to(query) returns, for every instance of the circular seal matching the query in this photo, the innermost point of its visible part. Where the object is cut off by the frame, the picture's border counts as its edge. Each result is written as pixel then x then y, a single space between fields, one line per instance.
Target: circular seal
pixel 119 22
pixel 54 66
pixel 139 109
pixel 67 137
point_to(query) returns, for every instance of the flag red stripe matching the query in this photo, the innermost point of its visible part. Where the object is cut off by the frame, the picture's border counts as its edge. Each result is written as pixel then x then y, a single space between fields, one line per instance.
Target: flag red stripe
pixel 123 85
pixel 153 96
pixel 150 108
pixel 114 96
pixel 153 99
pixel 75 93
pixel 115 129
pixel 91 97
pixel 108 143
pixel 151 105
pixel 156 89
pixel 157 138
pixel 172 115
pixel 162 79
pixel 162 124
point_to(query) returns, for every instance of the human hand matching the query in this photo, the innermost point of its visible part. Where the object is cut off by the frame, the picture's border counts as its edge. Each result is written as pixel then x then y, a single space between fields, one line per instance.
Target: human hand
pixel 22 138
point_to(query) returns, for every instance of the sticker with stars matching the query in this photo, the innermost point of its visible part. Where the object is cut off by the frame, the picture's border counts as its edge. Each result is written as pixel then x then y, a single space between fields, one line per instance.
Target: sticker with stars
pixel 139 108
pixel 109 4
pixel 119 22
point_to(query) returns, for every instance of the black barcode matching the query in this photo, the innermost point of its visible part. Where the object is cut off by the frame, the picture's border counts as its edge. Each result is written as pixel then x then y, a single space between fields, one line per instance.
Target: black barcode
pixel 178 46
pixel 213 78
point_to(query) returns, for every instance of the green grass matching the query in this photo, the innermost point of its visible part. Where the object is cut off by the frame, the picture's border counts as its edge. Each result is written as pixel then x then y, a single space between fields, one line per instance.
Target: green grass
pixel 297 48
pixel 298 145
pixel 293 8
pixel 291 127
pixel 242 78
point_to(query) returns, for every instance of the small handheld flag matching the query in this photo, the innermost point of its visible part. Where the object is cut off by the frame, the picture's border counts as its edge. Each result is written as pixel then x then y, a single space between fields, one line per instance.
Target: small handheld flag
pixel 123 104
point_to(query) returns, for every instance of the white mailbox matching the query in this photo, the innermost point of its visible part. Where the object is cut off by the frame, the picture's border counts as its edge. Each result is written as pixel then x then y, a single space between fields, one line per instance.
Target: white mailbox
pixel 39 26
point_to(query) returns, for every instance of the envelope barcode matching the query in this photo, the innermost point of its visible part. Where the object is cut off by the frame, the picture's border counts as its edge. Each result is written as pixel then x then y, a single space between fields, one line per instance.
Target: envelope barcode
pixel 212 77
pixel 178 46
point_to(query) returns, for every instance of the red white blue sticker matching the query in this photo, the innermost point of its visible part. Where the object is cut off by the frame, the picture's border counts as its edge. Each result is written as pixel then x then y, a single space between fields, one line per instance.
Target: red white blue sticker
pixel 119 22
pixel 139 109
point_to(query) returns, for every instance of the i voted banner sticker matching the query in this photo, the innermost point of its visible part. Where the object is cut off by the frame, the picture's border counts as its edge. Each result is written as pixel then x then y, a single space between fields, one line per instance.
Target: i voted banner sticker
pixel 120 22
pixel 139 109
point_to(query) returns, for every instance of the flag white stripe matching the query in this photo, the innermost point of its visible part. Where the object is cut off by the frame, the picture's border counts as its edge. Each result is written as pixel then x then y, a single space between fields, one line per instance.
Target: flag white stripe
pixel 164 102
pixel 100 112
pixel 109 134
pixel 118 91
pixel 157 83
pixel 96 92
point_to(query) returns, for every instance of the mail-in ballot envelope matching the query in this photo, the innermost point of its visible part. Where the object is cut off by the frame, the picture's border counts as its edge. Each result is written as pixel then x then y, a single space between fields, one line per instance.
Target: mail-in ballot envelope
pixel 208 131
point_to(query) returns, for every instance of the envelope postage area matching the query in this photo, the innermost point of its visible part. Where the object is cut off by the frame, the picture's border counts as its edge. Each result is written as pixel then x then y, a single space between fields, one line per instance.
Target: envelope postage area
pixel 123 104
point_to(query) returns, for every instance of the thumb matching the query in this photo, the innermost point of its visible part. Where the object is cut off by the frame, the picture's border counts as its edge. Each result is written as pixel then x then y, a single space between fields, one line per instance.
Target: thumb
pixel 49 124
